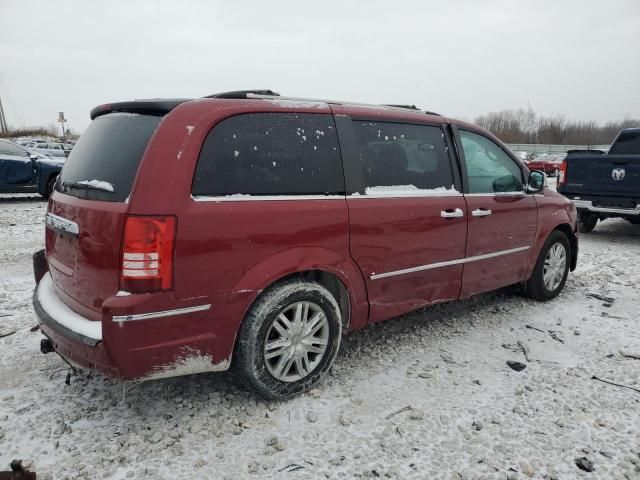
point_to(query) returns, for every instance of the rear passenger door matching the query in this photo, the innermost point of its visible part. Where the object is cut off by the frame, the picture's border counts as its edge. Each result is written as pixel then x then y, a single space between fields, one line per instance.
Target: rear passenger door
pixel 502 216
pixel 407 218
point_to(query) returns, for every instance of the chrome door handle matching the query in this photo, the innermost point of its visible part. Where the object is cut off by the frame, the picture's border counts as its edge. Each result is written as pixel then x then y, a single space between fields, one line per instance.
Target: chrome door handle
pixel 452 213
pixel 481 212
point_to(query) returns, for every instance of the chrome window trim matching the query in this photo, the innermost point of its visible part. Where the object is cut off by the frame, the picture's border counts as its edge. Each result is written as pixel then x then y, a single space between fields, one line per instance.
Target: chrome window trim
pixel 358 196
pixel 518 193
pixel 160 314
pixel 276 198
pixel 263 198
pixel 61 224
pixel 376 276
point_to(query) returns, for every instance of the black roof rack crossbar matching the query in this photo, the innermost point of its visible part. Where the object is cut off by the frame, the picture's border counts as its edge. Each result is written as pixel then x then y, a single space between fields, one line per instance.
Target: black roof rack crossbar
pixel 243 94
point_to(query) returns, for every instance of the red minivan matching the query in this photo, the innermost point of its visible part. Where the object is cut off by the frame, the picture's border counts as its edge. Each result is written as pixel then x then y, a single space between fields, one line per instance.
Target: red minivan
pixel 251 231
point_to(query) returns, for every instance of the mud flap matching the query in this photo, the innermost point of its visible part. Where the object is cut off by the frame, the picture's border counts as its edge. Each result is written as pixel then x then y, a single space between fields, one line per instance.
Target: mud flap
pixel 40 266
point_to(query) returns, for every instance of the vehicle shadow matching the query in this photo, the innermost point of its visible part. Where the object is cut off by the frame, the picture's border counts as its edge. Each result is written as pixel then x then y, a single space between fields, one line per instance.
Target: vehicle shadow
pixel 21 199
pixel 358 350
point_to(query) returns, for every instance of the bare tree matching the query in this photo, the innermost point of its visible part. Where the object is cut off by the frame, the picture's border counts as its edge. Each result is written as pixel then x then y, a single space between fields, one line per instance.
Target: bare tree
pixel 524 126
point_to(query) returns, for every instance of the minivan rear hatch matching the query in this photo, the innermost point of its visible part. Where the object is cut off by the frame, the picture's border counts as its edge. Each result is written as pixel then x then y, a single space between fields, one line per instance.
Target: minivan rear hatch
pixel 87 213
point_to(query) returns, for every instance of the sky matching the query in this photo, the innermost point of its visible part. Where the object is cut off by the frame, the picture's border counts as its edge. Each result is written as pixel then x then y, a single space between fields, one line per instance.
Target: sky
pixel 462 58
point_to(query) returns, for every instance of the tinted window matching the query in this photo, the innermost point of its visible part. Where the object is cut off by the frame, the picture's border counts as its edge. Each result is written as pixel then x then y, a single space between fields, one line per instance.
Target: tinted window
pixel 270 154
pixel 489 168
pixel 8 148
pixel 109 151
pixel 628 143
pixel 401 157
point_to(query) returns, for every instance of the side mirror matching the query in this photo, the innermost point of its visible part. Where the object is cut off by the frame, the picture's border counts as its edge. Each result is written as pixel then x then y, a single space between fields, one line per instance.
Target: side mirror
pixel 537 181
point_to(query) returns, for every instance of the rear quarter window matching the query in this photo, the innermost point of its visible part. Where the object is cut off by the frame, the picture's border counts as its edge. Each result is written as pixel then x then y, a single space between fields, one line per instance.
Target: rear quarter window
pixel 270 154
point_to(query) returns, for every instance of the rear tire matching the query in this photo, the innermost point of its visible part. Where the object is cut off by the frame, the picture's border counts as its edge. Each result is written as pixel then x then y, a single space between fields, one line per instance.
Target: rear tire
pixel 50 184
pixel 552 268
pixel 587 222
pixel 289 339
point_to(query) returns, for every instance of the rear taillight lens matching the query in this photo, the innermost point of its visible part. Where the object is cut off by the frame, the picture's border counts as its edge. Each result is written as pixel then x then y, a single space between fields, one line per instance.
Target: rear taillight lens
pixel 147 254
pixel 562 175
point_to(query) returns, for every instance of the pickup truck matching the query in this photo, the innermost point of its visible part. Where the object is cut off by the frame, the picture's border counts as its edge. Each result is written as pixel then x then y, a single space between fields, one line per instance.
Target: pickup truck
pixel 23 170
pixel 604 185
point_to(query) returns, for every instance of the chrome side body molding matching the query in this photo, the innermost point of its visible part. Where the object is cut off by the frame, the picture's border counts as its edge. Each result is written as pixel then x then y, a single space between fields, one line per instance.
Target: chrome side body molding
pixel 376 276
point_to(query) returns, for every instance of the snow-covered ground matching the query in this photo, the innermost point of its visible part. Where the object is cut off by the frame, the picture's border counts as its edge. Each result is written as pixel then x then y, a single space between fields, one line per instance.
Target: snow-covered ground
pixel 428 395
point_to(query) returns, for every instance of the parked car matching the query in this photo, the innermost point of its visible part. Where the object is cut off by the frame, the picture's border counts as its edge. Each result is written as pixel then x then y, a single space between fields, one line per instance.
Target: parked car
pixel 23 170
pixel 51 149
pixel 549 164
pixel 287 223
pixel 604 185
pixel 522 155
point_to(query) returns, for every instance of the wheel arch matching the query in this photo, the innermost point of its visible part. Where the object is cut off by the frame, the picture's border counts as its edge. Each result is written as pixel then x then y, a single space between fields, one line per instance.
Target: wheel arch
pixel 573 242
pixel 335 272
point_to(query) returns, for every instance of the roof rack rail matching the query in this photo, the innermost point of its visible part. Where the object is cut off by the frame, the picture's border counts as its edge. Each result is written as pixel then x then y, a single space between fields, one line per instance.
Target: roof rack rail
pixel 410 107
pixel 243 94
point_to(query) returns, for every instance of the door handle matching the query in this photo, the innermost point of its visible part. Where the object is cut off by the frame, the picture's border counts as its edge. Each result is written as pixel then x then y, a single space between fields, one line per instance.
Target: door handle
pixel 452 213
pixel 481 212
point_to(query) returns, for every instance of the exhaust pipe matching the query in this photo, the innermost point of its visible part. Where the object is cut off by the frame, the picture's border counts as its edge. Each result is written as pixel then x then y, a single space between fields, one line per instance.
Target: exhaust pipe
pixel 46 346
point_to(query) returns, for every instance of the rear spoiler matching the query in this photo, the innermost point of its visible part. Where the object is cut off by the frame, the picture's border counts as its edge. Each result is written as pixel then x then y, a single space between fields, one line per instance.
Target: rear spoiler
pixel 149 107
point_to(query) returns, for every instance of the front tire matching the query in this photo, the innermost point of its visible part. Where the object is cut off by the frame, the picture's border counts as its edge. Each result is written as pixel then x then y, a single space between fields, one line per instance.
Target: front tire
pixel 552 268
pixel 289 339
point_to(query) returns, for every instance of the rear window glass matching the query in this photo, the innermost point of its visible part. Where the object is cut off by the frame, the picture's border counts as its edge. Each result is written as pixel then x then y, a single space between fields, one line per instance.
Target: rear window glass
pixel 270 154
pixel 104 162
pixel 628 143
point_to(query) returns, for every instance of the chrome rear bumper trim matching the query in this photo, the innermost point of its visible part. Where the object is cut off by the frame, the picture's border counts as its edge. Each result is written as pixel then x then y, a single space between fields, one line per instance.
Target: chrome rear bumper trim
pixel 161 314
pixel 588 205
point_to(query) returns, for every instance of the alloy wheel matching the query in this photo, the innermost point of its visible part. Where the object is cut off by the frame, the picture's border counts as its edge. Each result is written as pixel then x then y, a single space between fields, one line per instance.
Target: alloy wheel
pixel 555 264
pixel 296 341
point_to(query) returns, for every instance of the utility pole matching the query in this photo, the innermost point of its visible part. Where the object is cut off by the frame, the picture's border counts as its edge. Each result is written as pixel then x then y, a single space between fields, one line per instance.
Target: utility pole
pixel 3 121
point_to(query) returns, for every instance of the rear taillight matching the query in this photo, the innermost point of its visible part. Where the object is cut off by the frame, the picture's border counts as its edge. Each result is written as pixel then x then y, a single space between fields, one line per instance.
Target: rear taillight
pixel 562 175
pixel 147 254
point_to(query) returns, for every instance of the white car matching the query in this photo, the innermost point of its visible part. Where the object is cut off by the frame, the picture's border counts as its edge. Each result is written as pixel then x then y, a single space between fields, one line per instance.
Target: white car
pixel 51 149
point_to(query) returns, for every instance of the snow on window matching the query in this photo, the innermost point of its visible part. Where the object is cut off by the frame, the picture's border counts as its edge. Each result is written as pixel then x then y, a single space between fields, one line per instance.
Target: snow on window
pixel 99 184
pixel 409 191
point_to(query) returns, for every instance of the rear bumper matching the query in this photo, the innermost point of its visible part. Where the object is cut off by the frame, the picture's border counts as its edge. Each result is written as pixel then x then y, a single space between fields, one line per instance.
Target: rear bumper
pixel 140 336
pixel 588 205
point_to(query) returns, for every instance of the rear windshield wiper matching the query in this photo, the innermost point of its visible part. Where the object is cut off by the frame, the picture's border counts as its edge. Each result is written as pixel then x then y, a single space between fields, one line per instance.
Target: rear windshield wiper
pixel 90 185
